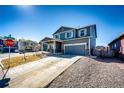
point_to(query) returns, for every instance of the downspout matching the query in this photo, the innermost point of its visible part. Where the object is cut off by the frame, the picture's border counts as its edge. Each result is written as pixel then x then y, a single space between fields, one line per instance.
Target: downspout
pixel 90 42
pixel 89 47
pixel 54 47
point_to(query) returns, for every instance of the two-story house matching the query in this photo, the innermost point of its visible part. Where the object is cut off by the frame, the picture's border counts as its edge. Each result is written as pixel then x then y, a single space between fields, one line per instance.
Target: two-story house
pixel 72 41
pixel 117 46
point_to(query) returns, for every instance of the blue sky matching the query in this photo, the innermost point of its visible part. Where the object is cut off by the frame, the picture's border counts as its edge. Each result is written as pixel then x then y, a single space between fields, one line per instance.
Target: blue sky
pixel 37 22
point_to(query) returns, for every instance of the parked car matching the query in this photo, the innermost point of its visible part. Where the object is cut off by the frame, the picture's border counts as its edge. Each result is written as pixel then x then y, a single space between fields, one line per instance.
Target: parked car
pixel 16 51
pixel 21 51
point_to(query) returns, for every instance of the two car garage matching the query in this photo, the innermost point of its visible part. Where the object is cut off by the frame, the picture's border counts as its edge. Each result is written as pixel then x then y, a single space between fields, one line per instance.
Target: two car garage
pixel 75 49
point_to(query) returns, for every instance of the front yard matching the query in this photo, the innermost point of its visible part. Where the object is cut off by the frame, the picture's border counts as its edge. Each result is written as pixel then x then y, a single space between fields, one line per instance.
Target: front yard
pixel 85 73
pixel 39 73
pixel 18 60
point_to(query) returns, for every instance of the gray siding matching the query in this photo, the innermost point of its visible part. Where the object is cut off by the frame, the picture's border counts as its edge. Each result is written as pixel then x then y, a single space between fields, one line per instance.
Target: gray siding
pixel 90 31
pixel 92 43
pixel 83 40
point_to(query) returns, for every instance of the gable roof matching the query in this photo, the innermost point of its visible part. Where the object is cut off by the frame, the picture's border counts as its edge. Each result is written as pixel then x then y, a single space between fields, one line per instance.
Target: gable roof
pixel 120 36
pixel 62 29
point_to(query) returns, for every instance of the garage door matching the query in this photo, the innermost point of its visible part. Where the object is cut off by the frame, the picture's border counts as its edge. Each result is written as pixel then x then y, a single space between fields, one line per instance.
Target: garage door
pixel 75 49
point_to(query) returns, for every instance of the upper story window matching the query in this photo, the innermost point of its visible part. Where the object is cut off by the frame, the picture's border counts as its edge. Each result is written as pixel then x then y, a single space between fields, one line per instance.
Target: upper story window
pixel 115 46
pixel 82 32
pixel 69 34
pixel 57 36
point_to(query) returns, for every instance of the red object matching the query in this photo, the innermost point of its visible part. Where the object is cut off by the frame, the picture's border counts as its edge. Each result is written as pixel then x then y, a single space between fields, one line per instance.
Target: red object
pixel 9 42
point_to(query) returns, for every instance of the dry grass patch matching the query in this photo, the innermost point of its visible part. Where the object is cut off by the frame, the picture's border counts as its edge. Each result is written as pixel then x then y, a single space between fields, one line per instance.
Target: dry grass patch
pixel 19 60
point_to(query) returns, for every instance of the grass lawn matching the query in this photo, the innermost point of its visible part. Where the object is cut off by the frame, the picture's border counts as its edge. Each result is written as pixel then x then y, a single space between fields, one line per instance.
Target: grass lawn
pixel 19 60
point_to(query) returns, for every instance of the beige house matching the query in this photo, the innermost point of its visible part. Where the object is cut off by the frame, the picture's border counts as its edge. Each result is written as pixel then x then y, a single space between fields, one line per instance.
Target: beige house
pixel 28 45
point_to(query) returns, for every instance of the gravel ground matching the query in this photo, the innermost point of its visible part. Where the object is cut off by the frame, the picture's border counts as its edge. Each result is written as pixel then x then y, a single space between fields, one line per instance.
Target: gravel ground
pixel 91 73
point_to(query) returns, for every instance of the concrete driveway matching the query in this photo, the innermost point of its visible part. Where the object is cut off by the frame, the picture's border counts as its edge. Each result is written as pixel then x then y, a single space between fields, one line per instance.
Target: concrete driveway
pixel 39 73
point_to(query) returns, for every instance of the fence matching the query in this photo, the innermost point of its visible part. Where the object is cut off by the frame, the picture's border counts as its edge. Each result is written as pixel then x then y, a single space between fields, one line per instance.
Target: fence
pixel 108 53
pixel 103 52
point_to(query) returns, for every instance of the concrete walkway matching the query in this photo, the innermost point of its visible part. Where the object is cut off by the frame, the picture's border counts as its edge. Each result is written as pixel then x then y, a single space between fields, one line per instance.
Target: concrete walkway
pixel 39 73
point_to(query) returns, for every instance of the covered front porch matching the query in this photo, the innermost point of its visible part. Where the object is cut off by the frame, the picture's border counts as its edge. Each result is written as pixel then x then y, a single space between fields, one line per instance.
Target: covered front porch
pixel 52 46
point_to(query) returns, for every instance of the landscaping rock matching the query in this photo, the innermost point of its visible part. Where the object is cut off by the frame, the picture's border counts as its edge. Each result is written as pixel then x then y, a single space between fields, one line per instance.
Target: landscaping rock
pixel 90 73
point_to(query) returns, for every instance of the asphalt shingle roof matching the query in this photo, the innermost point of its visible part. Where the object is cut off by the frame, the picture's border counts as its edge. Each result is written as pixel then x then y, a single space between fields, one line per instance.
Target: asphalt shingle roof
pixel 47 39
pixel 62 29
pixel 122 35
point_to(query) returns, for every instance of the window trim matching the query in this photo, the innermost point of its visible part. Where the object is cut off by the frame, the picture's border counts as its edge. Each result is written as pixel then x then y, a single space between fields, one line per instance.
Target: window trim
pixel 85 32
pixel 70 36
pixel 115 45
pixel 57 35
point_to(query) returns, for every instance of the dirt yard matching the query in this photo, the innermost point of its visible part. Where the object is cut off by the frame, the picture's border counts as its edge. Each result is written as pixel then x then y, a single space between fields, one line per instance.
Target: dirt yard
pixel 92 73
pixel 15 61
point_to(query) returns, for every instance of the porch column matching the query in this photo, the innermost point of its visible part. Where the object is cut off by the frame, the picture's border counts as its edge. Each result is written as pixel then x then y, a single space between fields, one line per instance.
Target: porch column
pixel 42 46
pixel 54 49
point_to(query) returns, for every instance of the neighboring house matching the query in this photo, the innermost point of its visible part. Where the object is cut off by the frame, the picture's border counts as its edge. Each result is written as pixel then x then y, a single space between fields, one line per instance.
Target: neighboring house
pixel 4 48
pixel 1 44
pixel 117 45
pixel 73 41
pixel 28 45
